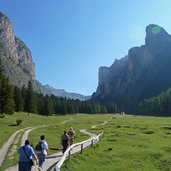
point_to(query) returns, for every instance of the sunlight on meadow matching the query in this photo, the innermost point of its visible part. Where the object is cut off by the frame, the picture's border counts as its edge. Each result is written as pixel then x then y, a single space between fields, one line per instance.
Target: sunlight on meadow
pixel 129 142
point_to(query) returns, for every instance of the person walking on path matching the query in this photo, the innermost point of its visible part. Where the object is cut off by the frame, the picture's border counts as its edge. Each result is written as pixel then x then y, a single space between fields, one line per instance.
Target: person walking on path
pixel 42 151
pixel 26 154
pixel 64 141
pixel 71 134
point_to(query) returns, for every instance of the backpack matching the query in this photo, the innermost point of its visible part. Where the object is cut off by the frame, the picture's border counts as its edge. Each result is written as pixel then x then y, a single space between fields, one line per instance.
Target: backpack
pixel 71 133
pixel 38 147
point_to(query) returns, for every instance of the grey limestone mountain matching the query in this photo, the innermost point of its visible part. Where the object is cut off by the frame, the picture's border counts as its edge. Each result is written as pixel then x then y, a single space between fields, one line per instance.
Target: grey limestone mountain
pixel 141 74
pixel 18 63
pixel 14 48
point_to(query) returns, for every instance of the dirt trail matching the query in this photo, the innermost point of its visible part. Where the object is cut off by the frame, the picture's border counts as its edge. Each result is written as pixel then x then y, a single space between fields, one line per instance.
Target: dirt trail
pixel 51 160
pixel 7 145
pixel 4 150
pixel 54 158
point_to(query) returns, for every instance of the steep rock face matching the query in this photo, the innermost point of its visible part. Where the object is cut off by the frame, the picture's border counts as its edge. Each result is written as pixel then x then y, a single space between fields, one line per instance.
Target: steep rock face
pixel 15 48
pixel 25 58
pixel 143 73
pixel 18 63
pixel 7 39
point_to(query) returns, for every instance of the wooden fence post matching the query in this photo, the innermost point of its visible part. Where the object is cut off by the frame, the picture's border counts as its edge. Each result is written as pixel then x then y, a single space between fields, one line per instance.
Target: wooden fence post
pixel 92 142
pixel 69 154
pixel 82 148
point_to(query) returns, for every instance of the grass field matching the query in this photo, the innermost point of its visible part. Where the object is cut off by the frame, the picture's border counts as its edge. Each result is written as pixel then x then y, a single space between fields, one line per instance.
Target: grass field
pixel 130 143
pixel 55 125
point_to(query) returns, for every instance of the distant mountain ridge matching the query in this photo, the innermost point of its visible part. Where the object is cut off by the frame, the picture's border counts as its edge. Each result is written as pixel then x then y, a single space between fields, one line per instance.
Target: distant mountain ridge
pixel 18 63
pixel 141 74
pixel 63 93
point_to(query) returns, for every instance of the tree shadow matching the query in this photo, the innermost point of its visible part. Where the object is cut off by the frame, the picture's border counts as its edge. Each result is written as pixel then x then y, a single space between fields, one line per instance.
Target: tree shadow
pixel 13 125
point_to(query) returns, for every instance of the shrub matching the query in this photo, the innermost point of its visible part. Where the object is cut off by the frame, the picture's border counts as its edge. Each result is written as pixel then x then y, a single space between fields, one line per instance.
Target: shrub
pixel 18 121
pixel 2 115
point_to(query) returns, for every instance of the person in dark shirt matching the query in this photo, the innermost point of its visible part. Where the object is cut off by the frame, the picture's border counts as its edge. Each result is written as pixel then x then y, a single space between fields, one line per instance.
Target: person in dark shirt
pixel 64 141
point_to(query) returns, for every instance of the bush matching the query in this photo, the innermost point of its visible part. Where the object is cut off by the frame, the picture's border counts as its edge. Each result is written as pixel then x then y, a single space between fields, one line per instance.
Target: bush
pixel 18 121
pixel 2 115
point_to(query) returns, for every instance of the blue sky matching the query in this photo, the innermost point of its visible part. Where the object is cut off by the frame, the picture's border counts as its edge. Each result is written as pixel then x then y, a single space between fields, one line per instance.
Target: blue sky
pixel 71 39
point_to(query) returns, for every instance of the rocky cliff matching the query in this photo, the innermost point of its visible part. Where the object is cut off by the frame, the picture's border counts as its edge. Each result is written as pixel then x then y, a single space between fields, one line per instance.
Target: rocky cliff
pixel 18 63
pixel 143 73
pixel 14 48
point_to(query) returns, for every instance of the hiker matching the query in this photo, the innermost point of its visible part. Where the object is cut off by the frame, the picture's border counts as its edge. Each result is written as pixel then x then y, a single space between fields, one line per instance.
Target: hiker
pixel 26 155
pixel 71 134
pixel 64 141
pixel 41 151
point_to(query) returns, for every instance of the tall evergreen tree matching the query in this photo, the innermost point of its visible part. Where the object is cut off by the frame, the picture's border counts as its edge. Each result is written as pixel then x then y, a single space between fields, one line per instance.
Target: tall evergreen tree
pixel 47 105
pixel 18 99
pixel 103 109
pixel 7 101
pixel 70 108
pixel 1 80
pixel 40 103
pixel 30 99
pixel 6 93
pixel 158 106
pixel 23 93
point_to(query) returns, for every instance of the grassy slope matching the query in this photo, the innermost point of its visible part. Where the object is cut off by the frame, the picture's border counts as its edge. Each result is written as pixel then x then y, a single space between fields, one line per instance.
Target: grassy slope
pixel 7 124
pixel 129 142
pixel 7 127
pixel 53 131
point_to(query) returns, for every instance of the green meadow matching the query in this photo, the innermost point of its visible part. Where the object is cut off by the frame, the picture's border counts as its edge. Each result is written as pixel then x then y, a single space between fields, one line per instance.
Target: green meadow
pixel 129 143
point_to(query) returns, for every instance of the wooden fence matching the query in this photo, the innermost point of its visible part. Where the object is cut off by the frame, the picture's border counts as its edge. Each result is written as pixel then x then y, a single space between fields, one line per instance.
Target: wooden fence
pixel 78 147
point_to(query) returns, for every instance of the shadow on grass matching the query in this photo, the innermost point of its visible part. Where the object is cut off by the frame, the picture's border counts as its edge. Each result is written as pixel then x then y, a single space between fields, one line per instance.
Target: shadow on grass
pixel 148 132
pixel 13 125
pixel 55 148
pixel 167 127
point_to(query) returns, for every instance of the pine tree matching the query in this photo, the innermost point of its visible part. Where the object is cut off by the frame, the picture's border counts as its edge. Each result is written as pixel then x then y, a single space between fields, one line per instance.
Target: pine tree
pixel 1 80
pixel 40 104
pixel 103 109
pixel 47 105
pixel 30 99
pixel 23 93
pixel 70 108
pixel 10 105
pixel 18 99
pixel 7 101
pixel 6 93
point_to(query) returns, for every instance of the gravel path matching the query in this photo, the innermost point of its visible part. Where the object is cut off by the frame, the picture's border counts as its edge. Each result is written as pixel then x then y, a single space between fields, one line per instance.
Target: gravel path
pixel 51 160
pixel 7 145
pixel 4 150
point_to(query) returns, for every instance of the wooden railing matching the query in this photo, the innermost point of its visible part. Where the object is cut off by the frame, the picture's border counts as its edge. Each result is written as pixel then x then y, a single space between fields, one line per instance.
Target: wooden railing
pixel 72 148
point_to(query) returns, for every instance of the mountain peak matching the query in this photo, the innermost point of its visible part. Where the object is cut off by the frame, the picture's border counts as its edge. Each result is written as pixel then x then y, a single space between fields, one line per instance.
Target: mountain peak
pixel 2 15
pixel 155 34
pixel 143 73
